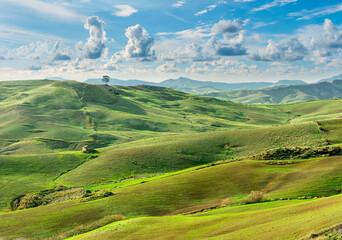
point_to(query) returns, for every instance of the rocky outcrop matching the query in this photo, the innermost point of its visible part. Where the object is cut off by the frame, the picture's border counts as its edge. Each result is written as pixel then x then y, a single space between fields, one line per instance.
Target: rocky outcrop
pixel 87 149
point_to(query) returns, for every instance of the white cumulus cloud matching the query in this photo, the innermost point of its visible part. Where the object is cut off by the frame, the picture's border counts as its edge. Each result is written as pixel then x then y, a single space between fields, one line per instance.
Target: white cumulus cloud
pixel 332 35
pixel 233 37
pixel 58 54
pixel 113 63
pixel 95 45
pixel 291 51
pixel 226 48
pixel 228 26
pixel 324 41
pixel 35 51
pixel 168 67
pixel 139 44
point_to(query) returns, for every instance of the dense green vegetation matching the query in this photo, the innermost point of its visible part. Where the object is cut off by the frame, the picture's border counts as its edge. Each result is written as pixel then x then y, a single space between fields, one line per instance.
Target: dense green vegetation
pixel 163 152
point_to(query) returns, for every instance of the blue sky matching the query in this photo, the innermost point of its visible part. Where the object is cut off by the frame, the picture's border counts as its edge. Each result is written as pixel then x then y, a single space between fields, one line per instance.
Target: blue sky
pixel 217 40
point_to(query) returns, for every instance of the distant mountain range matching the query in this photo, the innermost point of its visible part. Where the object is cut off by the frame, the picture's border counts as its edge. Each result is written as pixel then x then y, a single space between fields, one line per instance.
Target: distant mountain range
pixel 56 78
pixel 338 77
pixel 193 86
pixel 118 82
pixel 283 91
pixel 288 83
pixel 283 94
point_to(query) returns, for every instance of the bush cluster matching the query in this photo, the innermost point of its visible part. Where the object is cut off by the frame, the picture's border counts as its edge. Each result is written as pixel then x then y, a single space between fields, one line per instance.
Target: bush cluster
pixel 297 153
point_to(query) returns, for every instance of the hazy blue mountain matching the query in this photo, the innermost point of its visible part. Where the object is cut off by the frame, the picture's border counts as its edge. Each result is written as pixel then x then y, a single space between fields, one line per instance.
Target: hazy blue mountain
pixel 118 82
pixel 284 94
pixel 189 85
pixel 56 78
pixel 288 83
pixel 338 77
pixel 193 86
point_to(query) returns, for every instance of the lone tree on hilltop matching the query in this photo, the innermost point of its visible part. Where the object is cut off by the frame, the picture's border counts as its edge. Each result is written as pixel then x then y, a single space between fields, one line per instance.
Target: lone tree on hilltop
pixel 105 79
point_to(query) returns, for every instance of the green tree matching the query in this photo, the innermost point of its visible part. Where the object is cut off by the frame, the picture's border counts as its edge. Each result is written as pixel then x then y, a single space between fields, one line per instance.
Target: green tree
pixel 105 79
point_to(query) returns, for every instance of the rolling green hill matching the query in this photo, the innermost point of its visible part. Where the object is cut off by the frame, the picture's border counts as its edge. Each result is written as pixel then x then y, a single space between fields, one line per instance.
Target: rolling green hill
pixel 313 110
pixel 51 116
pixel 172 153
pixel 162 153
pixel 44 116
pixel 24 174
pixel 297 220
pixel 284 94
pixel 183 192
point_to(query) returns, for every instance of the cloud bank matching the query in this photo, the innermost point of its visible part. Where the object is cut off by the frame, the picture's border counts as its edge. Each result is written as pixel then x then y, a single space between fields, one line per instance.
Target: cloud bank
pixel 291 51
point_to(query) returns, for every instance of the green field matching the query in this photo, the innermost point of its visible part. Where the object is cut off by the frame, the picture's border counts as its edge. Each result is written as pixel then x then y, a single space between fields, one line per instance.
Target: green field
pixel 170 158
pixel 183 192
pixel 295 220
pixel 171 153
pixel 24 174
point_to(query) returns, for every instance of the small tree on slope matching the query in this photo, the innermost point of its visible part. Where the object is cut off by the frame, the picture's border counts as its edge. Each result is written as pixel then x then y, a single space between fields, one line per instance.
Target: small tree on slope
pixel 105 79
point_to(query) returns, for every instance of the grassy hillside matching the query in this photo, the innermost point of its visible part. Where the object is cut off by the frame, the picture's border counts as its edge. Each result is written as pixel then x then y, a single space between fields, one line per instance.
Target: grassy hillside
pixel 175 152
pixel 24 174
pixel 182 192
pixel 163 152
pixel 50 116
pixel 313 110
pixel 284 94
pixel 256 221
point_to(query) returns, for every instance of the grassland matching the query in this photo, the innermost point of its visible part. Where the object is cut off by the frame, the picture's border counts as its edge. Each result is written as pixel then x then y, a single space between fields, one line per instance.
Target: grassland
pixel 46 116
pixel 163 153
pixel 183 192
pixel 313 110
pixel 24 174
pixel 258 221
pixel 172 153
